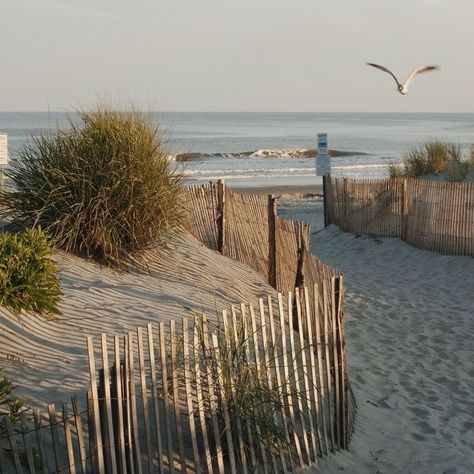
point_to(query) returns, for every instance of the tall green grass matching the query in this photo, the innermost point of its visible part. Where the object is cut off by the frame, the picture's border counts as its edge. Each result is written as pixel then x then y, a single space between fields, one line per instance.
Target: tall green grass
pixel 432 158
pixel 103 187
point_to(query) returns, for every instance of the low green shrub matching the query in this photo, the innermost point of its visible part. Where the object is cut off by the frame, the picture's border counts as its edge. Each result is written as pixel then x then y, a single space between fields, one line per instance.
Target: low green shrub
pixel 103 188
pixel 10 405
pixel 28 278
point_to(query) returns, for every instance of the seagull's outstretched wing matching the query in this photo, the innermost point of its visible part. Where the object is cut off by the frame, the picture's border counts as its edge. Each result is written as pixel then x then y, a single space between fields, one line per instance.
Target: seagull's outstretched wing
pixel 383 68
pixel 416 71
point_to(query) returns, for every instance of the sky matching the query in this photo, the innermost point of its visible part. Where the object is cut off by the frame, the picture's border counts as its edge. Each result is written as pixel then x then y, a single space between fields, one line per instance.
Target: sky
pixel 239 55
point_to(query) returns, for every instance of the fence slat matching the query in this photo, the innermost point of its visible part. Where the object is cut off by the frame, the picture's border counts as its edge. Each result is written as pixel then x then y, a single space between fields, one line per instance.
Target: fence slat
pixel 268 374
pixel 110 449
pixel 176 399
pixel 232 338
pixel 189 395
pixel 95 403
pixel 55 436
pixel 27 444
pixel 144 396
pixel 39 440
pixel 200 398
pixel 154 393
pixel 11 437
pixel 80 434
pixel 68 439
pixel 164 382
pixel 304 346
pixel 287 376
pixel 133 404
pixel 122 459
pixel 212 398
pixel 220 381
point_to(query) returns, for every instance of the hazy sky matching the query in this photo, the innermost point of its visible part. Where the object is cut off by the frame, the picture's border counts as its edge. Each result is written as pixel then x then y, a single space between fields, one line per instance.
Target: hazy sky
pixel 239 55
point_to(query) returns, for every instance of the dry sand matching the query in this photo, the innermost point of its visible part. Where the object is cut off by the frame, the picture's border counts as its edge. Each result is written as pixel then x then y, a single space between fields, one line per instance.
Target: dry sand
pixel 410 351
pixel 47 359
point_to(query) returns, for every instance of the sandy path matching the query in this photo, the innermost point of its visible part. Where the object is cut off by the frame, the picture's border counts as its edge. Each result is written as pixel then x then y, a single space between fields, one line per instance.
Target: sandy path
pixel 410 342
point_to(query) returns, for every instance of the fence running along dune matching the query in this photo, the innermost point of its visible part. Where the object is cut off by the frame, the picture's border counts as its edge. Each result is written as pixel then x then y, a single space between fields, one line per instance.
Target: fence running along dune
pixel 166 399
pixel 184 396
pixel 248 229
pixel 431 215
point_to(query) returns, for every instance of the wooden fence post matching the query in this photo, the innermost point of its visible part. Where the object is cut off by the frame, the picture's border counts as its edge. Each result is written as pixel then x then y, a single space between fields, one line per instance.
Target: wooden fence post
pixel 404 212
pixel 325 198
pixel 345 202
pixel 272 213
pixel 221 216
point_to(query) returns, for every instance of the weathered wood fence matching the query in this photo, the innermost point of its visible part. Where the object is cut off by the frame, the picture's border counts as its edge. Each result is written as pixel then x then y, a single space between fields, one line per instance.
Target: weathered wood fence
pixel 261 390
pixel 248 229
pixel 431 215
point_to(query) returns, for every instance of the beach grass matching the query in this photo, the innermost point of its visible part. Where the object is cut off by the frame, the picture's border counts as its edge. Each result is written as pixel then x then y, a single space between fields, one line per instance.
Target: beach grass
pixel 102 188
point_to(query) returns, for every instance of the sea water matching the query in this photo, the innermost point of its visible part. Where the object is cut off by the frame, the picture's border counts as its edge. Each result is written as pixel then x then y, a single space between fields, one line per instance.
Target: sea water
pixel 257 149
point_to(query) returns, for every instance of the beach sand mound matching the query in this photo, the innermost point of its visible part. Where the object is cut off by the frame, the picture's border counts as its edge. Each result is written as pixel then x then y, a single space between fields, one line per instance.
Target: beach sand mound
pixel 47 359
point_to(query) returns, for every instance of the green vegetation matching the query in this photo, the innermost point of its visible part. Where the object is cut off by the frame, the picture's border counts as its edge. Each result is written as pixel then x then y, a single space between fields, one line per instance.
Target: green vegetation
pixel 28 278
pixel 254 406
pixel 10 405
pixel 103 188
pixel 432 158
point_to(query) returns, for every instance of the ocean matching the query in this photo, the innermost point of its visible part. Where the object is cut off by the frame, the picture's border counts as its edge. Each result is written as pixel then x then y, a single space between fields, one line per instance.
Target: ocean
pixel 258 149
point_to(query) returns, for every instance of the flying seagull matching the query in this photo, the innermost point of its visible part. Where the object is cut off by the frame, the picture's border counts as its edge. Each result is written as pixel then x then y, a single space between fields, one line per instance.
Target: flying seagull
pixel 403 88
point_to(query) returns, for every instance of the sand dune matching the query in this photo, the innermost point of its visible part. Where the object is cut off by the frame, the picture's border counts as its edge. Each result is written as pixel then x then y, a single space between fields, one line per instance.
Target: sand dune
pixel 47 359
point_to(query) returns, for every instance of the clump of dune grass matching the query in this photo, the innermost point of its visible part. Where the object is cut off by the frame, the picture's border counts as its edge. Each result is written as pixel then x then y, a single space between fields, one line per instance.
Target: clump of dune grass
pixel 255 407
pixel 432 158
pixel 28 278
pixel 103 188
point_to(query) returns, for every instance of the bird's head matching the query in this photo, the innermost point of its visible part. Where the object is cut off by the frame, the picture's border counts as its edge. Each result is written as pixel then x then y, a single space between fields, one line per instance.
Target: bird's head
pixel 401 89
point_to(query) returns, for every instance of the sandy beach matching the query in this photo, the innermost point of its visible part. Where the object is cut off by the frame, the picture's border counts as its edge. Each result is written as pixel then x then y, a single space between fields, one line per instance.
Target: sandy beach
pixel 409 326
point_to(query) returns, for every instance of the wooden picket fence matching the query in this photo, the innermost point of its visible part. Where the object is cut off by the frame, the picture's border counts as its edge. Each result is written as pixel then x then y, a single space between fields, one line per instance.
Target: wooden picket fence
pixel 257 390
pixel 247 228
pixel 431 215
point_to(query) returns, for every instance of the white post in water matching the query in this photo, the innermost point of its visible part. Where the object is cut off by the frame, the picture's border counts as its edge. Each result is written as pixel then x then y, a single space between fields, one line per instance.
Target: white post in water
pixel 323 160
pixel 3 155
